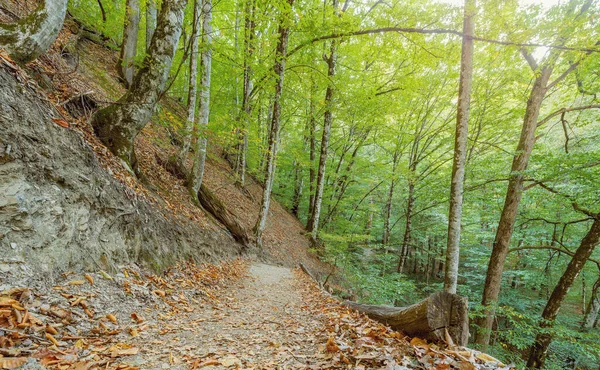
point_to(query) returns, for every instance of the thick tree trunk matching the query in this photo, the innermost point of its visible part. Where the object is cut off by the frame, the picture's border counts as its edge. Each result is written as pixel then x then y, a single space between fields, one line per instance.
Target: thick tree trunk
pixel 30 37
pixel 593 307
pixel 428 319
pixel 327 122
pixel 197 172
pixel 150 21
pixel 126 64
pixel 192 85
pixel 460 150
pixel 118 124
pixel 511 205
pixel 246 112
pixel 408 229
pixel 279 72
pixel 583 252
pixel 219 211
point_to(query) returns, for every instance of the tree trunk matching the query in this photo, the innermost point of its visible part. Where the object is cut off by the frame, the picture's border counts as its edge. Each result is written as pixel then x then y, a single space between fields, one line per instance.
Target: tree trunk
pixel 593 307
pixel 428 319
pixel 197 172
pixel 150 21
pixel 327 122
pixel 192 85
pixel 390 198
pixel 511 205
pixel 30 37
pixel 219 211
pixel 278 71
pixel 246 112
pixel 408 229
pixel 118 124
pixel 583 252
pixel 312 175
pixel 298 185
pixel 460 150
pixel 126 63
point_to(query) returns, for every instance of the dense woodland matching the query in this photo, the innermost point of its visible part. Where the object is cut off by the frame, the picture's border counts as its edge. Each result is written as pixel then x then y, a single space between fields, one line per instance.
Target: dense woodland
pixel 426 145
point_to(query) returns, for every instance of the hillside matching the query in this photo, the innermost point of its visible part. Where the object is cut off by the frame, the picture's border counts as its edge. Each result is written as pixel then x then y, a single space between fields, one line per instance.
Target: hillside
pixel 73 206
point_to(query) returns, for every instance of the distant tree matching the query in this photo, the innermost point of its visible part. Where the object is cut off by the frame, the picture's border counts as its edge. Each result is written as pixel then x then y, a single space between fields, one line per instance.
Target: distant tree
pixel 30 37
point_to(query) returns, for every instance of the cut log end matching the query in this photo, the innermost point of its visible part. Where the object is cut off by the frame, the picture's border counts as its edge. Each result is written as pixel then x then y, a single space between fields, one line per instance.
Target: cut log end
pixel 429 319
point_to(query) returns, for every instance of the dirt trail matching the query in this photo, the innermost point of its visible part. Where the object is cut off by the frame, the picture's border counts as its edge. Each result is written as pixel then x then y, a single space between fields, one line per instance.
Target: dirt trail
pixel 259 322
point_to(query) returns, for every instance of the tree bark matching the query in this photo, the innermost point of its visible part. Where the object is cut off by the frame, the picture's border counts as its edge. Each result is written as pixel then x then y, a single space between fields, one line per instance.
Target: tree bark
pixel 192 85
pixel 327 122
pixel 539 349
pixel 126 63
pixel 390 198
pixel 150 21
pixel 428 319
pixel 246 111
pixel 460 150
pixel 197 173
pixel 31 36
pixel 298 187
pixel 593 307
pixel 279 72
pixel 312 175
pixel 118 124
pixel 511 205
pixel 408 229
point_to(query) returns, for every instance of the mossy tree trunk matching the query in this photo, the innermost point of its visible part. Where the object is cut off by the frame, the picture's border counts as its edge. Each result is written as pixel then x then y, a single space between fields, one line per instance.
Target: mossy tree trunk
pixel 118 124
pixel 30 37
pixel 126 64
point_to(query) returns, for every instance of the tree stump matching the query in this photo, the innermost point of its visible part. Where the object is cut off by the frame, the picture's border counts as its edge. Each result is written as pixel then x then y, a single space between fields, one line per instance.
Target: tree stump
pixel 428 319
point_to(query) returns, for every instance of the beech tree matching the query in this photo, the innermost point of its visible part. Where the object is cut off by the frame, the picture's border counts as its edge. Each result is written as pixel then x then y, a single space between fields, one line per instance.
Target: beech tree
pixel 30 37
pixel 118 124
pixel 126 63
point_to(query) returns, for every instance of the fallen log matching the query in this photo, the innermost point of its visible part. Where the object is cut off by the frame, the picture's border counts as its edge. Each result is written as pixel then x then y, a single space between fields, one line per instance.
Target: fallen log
pixel 218 210
pixel 430 319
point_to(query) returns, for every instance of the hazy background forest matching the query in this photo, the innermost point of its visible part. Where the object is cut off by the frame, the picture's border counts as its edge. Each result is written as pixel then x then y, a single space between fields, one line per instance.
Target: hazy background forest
pixel 358 142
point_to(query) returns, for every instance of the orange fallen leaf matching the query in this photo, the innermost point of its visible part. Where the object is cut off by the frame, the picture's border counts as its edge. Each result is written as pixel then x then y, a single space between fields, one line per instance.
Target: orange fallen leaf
pixel 112 318
pixel 12 362
pixel 331 346
pixel 76 282
pixel 89 278
pixel 61 122
pixel 52 339
pixel 51 330
pixel 137 318
pixel 209 362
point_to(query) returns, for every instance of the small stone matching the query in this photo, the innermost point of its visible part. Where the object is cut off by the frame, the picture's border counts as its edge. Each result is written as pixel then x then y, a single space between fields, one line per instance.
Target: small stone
pixel 13 245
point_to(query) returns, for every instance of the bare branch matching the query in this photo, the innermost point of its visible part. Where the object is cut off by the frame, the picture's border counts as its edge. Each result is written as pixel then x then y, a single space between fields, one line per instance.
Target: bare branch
pixel 566 110
pixel 529 58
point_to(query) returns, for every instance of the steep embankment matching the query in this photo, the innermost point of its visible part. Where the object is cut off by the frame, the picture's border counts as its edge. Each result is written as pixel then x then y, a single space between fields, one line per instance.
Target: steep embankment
pixel 66 203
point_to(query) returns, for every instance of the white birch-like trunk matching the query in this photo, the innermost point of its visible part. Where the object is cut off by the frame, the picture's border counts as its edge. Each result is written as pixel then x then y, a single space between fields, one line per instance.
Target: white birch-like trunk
pixel 192 85
pixel 460 150
pixel 197 172
pixel 30 37
pixel 150 21
pixel 278 71
pixel 126 62
pixel 118 124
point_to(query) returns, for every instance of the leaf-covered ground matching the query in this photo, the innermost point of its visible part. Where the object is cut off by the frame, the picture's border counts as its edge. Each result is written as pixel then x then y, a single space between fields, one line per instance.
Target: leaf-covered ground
pixel 235 315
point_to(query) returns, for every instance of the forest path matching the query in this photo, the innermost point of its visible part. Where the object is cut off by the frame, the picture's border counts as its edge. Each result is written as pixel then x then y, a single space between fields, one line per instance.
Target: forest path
pixel 259 322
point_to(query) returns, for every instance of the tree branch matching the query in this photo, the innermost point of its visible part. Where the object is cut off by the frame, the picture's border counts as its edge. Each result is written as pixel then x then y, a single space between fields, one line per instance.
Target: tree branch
pixel 566 110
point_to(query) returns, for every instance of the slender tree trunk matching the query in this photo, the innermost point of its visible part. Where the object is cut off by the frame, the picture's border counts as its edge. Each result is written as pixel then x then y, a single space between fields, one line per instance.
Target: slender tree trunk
pixel 30 37
pixel 460 150
pixel 407 231
pixel 118 124
pixel 278 71
pixel 197 173
pixel 327 122
pixel 126 64
pixel 511 205
pixel 298 186
pixel 593 307
pixel 583 252
pixel 150 21
pixel 390 198
pixel 312 175
pixel 192 85
pixel 246 112
pixel 369 225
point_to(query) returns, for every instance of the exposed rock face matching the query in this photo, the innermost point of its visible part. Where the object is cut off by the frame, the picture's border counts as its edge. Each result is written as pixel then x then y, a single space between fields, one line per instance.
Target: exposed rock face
pixel 59 210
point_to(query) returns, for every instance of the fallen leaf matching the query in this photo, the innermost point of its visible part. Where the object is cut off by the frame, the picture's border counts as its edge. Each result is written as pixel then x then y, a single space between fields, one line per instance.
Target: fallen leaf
pixel 331 346
pixel 61 122
pixel 89 278
pixel 12 362
pixel 112 318
pixel 52 339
